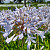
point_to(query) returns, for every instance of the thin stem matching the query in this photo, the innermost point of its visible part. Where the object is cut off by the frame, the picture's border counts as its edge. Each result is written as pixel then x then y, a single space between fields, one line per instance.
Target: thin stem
pixel 18 41
pixel 37 41
pixel 49 43
pixel 18 44
pixel 35 46
pixel 22 43
pixel 44 44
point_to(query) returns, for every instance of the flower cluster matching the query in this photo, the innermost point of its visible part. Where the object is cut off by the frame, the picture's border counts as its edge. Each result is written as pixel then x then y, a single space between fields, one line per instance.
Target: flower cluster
pixel 27 20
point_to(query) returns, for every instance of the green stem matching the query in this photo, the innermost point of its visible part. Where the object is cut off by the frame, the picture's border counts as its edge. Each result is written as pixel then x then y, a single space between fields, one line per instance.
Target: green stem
pixel 49 44
pixel 22 43
pixel 44 44
pixel 37 41
pixel 18 44
pixel 35 46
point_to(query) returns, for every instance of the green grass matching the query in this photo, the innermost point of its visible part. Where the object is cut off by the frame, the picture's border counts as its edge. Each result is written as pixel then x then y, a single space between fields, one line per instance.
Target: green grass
pixel 6 8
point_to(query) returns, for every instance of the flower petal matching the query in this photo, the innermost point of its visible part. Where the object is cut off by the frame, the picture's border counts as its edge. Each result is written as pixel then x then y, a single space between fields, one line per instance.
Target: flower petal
pixel 15 38
pixel 9 39
pixel 33 41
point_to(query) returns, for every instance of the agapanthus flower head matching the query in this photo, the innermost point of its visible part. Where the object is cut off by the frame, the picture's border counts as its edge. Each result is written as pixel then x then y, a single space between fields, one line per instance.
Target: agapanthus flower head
pixel 25 21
